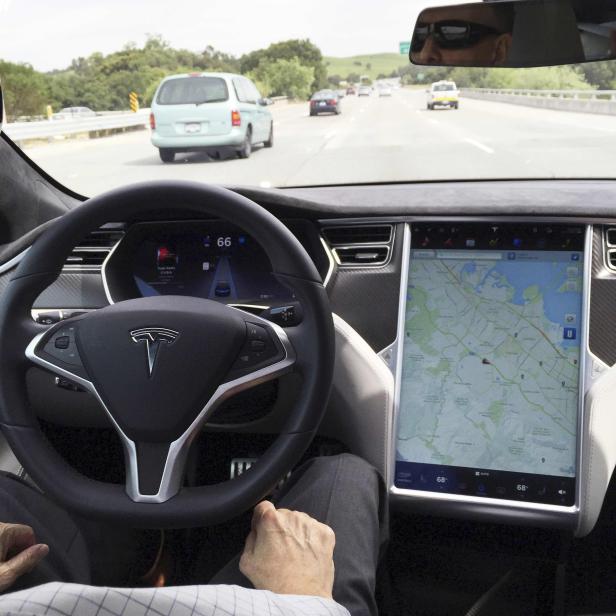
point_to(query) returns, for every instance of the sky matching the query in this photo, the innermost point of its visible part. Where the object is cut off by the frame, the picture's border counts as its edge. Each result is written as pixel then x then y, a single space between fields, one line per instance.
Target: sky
pixel 48 34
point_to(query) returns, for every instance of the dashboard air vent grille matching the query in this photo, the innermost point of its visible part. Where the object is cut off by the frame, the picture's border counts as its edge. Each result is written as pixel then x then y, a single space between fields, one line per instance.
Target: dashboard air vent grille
pixel 362 255
pixel 610 237
pixel 358 234
pixel 92 251
pixel 360 245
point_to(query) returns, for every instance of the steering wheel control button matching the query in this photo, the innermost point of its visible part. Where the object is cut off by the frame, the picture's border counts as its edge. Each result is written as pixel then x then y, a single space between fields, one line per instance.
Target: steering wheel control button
pixel 258 351
pixel 62 342
pixel 257 345
pixel 62 346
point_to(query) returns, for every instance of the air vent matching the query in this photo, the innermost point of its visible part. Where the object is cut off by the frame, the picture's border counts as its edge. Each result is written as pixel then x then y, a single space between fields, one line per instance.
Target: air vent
pixel 362 255
pixel 611 259
pixel 358 234
pixel 360 245
pixel 93 250
pixel 610 237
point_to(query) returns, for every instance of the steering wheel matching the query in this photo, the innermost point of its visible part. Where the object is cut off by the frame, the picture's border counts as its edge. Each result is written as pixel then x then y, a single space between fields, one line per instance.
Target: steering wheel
pixel 159 366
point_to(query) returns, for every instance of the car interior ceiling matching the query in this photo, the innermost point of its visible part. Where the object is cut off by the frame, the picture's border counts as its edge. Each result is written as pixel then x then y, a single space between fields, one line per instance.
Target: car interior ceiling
pixel 446 556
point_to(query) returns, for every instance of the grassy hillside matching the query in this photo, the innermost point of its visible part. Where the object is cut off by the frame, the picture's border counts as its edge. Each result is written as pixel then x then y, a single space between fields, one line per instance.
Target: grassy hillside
pixel 379 63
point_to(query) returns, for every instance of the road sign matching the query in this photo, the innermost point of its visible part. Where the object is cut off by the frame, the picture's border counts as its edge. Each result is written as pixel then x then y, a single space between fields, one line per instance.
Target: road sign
pixel 134 102
pixel 405 47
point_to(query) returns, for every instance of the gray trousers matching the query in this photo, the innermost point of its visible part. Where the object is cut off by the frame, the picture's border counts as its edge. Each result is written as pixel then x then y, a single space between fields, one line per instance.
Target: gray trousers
pixel 342 491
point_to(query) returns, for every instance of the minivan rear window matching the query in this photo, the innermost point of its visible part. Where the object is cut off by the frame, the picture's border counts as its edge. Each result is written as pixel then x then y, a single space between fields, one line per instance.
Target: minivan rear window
pixel 443 87
pixel 193 90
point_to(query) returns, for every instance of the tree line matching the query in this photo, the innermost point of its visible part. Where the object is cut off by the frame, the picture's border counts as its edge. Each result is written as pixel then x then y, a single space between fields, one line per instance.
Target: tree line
pixel 292 68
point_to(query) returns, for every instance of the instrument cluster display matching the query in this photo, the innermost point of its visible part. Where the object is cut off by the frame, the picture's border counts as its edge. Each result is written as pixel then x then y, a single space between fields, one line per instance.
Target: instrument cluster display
pixel 208 259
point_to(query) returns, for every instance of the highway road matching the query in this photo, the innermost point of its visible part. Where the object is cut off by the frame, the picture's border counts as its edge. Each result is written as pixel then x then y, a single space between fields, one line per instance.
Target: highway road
pixel 374 139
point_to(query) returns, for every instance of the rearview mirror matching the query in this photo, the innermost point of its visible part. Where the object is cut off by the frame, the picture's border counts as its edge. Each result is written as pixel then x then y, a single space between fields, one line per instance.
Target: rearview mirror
pixel 515 33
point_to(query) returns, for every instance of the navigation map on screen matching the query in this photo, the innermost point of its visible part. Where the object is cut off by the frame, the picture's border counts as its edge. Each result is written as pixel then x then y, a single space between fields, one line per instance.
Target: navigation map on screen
pixel 490 368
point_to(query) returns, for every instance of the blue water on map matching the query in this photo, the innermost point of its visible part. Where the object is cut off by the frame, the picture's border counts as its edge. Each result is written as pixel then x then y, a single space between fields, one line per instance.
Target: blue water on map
pixel 550 272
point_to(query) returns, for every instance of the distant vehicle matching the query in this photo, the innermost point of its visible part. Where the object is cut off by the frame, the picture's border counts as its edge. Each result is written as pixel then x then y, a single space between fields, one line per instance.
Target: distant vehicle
pixel 223 289
pixel 325 101
pixel 70 113
pixel 443 94
pixel 385 91
pixel 351 91
pixel 209 112
pixel 341 93
pixel 364 91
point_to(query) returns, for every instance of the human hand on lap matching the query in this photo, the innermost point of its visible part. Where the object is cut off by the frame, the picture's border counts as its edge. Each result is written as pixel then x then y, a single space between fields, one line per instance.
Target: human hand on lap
pixel 288 552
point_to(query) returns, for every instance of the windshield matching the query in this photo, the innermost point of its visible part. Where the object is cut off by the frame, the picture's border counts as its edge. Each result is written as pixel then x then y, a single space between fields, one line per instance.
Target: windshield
pixel 101 95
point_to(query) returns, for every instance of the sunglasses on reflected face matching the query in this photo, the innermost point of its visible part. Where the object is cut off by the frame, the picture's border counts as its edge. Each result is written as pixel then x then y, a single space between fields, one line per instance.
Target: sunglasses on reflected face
pixel 451 34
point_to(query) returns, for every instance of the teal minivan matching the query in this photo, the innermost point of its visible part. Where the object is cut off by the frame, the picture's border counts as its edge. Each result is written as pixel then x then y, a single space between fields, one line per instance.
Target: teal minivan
pixel 209 112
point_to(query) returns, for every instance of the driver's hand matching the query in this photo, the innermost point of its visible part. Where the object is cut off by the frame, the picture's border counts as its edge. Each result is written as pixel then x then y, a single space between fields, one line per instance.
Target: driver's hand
pixel 288 552
pixel 19 553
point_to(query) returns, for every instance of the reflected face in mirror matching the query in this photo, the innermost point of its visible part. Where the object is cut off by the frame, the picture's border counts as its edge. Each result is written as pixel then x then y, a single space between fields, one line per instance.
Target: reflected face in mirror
pixel 464 35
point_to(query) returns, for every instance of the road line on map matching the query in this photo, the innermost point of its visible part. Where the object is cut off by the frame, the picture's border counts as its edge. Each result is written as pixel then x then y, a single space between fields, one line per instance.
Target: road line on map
pixel 480 145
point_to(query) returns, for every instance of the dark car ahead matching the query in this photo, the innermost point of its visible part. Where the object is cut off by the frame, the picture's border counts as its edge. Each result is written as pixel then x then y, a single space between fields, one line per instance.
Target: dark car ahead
pixel 325 101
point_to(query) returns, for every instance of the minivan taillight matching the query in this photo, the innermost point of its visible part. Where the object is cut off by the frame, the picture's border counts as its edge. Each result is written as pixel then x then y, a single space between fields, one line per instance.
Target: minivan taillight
pixel 152 121
pixel 236 118
pixel 331 101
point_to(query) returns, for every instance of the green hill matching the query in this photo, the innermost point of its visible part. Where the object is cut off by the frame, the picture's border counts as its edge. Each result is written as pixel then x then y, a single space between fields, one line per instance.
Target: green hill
pixel 371 64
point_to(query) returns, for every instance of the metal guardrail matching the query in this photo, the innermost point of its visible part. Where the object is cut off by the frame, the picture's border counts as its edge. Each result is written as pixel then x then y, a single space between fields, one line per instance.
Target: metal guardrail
pixel 581 101
pixel 607 95
pixel 46 129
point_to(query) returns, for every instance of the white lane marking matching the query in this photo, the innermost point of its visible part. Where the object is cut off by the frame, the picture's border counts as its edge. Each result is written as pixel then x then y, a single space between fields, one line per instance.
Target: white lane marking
pixel 480 145
pixel 433 121
pixel 265 184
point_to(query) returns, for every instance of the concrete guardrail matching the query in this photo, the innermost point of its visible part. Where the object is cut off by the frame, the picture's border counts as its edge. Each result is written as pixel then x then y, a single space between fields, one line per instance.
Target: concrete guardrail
pixel 584 101
pixel 95 127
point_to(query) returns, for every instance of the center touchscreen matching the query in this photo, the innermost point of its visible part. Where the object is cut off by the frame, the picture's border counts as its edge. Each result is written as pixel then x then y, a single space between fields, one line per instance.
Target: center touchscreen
pixel 490 364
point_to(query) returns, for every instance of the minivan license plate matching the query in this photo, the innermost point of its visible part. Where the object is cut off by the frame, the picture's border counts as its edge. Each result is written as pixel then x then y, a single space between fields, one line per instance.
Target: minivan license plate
pixel 192 128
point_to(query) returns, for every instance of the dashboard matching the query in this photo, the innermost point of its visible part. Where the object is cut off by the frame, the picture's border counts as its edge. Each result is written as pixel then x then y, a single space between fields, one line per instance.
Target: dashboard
pixel 493 328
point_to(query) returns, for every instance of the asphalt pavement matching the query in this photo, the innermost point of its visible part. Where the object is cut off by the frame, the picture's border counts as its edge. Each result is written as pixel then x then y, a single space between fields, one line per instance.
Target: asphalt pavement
pixel 373 140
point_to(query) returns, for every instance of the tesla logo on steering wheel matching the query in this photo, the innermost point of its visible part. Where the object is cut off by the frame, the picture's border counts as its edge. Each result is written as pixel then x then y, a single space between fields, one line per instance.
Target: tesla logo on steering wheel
pixel 153 338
